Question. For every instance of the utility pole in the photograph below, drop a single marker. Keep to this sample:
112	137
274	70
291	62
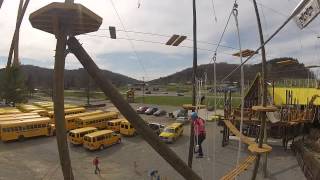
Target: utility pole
194	73
142	90
263	128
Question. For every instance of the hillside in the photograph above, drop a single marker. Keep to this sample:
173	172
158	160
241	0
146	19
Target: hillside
40	77
276	72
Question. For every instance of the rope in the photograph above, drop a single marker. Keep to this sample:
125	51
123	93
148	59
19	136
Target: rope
235	14
214	11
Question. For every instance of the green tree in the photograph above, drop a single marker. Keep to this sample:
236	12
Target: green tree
13	85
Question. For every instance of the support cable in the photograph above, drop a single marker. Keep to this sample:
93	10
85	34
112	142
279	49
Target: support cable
235	14
130	42
257	50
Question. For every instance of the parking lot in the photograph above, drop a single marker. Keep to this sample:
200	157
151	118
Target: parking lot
38	158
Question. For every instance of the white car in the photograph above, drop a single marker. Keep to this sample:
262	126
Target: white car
183	119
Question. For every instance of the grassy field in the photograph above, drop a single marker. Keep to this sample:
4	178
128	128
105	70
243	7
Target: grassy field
180	100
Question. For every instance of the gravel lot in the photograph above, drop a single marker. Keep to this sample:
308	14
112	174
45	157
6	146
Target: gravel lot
37	158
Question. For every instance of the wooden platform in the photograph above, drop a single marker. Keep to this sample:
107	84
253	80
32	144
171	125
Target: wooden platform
254	148
264	109
243	166
75	18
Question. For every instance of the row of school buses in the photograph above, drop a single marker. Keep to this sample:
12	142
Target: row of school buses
95	129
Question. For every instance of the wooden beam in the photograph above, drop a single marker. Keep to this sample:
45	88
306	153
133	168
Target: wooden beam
179	40
172	39
128	112
58	102
1	1
16	43
18	24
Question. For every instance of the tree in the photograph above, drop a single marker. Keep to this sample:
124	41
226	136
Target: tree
13	85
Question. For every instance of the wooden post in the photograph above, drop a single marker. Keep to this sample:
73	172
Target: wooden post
18	24
16	43
58	101
128	112
194	74
1	1
263	127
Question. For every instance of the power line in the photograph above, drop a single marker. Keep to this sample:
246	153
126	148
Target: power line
132	45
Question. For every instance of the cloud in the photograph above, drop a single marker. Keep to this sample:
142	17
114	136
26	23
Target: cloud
165	17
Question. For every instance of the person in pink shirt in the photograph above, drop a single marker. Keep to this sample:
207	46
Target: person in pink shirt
199	132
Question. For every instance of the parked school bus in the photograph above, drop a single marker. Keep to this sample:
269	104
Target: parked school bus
171	132
99	121
114	125
28	107
50	114
127	129
66	106
100	139
76	136
9	110
19	130
17	115
71	118
19	118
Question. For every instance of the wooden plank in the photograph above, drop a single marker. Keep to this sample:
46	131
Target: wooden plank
243	166
129	113
179	40
172	39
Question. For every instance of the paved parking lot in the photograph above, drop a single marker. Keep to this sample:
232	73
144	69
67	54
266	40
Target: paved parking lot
132	159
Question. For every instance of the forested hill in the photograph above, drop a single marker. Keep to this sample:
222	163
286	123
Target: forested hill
40	77
277	71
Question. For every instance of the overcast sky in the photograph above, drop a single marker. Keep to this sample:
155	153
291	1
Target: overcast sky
165	17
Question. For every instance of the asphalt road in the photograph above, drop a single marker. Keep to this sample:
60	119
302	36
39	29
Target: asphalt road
132	159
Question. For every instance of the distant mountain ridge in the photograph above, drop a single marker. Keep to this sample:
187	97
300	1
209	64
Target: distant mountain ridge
275	69
42	77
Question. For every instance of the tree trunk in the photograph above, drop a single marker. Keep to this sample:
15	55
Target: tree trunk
58	100
194	74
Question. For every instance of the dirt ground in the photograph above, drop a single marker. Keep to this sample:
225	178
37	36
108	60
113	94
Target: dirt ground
38	158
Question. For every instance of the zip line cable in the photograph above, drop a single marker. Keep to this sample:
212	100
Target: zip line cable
214	11
256	51
130	42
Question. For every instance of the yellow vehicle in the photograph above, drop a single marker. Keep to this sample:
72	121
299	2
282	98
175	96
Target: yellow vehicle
76	136
66	106
19	130
9	110
100	139
18	115
28	107
19	118
127	129
171	132
50	114
114	125
71	118
99	120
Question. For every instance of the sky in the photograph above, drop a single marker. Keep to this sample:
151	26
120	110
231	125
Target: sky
158	20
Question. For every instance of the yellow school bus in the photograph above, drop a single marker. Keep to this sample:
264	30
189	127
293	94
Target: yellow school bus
114	125
19	130
19	118
99	120
66	106
171	132
18	115
100	139
9	110
71	118
50	114
28	107
127	129
76	136
43	103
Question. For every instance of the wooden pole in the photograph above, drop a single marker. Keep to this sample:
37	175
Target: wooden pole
1	1
263	127
16	43
194	74
128	112
18	24
58	101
